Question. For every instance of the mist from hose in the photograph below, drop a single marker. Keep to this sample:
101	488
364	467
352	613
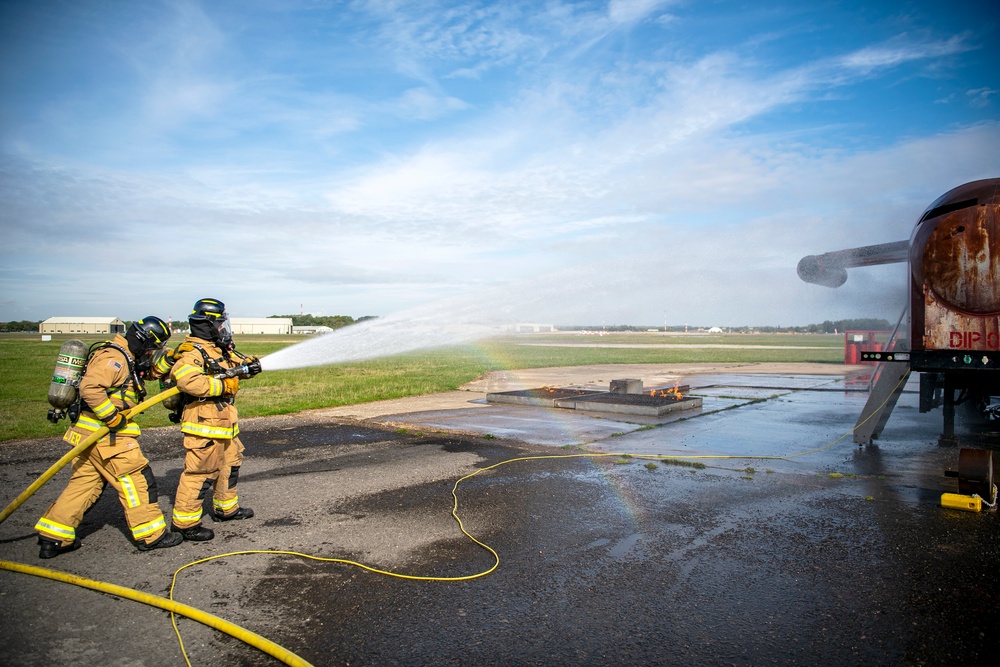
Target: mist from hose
464	319
708	280
376	338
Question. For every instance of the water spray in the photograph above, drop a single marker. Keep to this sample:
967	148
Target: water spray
468	318
372	339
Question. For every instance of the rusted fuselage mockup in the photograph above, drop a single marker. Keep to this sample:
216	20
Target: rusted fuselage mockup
950	329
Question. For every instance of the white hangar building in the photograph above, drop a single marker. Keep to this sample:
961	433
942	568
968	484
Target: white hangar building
82	325
261	325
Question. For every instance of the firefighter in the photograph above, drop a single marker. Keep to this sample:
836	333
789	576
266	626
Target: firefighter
112	381
208	419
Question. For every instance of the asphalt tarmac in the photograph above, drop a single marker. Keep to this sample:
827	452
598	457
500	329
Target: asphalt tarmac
814	552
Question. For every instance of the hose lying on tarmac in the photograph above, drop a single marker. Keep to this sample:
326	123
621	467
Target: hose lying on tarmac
251	638
255	640
79	449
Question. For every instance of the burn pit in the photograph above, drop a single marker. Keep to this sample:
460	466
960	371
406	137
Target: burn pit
625	397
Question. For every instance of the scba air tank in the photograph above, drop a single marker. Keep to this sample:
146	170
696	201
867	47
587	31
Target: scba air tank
66	379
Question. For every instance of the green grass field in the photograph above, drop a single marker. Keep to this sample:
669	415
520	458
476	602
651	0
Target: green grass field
27	364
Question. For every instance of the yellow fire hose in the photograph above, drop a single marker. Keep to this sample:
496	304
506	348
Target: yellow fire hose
247	636
265	645
79	449
255	640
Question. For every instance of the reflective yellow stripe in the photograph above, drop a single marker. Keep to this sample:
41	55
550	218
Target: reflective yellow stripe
57	530
127	395
88	424
216	388
129	491
185	369
226	505
105	409
204	431
187	517
163	365
149	528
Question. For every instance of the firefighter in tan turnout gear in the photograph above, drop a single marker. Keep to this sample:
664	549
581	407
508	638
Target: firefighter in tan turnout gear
207	369
112	382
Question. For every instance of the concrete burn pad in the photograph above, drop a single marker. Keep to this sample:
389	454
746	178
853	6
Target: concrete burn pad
618	401
626	386
632	404
527	423
543	397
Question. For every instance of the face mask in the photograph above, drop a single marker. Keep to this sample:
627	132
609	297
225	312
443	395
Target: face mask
145	361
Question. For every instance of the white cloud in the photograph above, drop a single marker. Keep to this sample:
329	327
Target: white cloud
630	11
627	173
422	104
901	50
980	97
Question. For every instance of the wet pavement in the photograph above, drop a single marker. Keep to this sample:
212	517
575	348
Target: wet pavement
833	555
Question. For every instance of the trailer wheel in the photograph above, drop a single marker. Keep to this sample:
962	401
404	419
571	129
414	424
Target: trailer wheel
975	473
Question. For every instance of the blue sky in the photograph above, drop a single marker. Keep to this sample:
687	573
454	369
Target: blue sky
640	162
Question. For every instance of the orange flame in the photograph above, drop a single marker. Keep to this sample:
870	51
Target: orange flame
674	393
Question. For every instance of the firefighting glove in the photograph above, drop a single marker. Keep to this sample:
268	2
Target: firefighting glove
230	386
164	360
253	365
116	422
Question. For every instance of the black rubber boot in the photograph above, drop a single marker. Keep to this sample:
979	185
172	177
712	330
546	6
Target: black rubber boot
195	533
50	548
241	513
164	541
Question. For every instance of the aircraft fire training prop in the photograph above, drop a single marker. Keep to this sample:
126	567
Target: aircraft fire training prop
949	331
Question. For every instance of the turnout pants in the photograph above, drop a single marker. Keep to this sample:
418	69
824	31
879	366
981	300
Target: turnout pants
209	463
120	463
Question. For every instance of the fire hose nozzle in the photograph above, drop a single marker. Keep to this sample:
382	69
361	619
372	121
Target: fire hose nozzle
235	371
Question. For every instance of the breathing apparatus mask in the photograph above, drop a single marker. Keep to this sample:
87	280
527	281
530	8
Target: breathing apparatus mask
226	335
146	338
210	321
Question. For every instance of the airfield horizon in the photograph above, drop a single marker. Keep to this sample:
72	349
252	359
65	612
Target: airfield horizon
27	364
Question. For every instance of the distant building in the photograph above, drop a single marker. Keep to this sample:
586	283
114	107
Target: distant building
531	327
715	330
261	325
82	325
310	330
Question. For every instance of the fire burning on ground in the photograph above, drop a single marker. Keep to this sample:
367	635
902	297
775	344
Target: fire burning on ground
668	393
654	402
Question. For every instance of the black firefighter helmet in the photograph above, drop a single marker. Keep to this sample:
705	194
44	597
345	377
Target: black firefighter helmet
145	337
210	321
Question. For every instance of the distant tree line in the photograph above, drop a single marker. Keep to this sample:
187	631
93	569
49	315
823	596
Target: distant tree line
839	326
332	321
17	327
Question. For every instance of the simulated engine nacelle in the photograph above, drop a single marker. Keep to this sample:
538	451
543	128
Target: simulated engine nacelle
953	332
830	269
954	261
955	280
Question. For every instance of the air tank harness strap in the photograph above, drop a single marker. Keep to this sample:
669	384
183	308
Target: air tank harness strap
140	389
213	367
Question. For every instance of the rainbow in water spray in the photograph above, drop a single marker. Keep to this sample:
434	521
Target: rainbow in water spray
383	337
569	295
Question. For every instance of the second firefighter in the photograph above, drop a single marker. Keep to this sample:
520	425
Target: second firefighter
209	420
